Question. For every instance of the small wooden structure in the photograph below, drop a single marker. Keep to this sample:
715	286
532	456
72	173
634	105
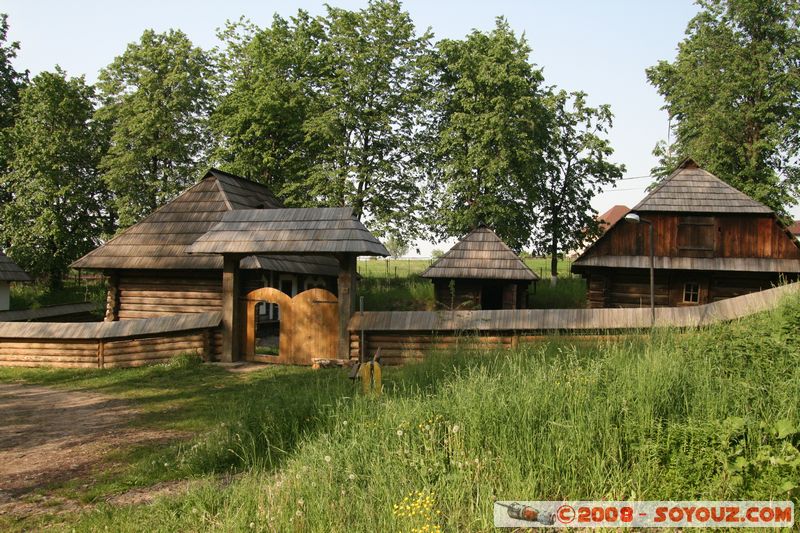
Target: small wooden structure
9	272
711	242
312	325
480	272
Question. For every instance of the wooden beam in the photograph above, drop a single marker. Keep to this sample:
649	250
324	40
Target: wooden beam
230	309
112	298
347	290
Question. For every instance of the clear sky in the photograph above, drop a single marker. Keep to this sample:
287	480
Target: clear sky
600	47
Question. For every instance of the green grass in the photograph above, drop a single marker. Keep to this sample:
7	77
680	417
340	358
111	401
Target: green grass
568	293
38	294
709	414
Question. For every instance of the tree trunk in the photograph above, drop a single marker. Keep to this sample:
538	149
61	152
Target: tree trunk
554	262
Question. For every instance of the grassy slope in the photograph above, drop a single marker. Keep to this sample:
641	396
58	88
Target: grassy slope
712	414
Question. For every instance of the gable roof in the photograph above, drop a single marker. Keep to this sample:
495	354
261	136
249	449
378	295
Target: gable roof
10	271
297	231
480	255
691	189
160	240
612	216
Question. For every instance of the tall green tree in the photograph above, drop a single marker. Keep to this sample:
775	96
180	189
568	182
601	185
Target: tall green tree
327	111
490	132
733	94
11	81
57	208
271	84
156	99
577	168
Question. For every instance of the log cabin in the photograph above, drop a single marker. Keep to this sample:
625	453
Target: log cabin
711	242
150	273
9	272
480	272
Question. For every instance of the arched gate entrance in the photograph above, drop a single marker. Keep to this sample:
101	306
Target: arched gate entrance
308	325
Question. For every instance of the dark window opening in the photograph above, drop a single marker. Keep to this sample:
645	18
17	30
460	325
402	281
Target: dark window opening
691	293
267	328
492	296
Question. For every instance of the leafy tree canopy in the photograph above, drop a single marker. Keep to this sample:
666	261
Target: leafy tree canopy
733	93
490	132
56	211
156	99
577	168
11	82
328	110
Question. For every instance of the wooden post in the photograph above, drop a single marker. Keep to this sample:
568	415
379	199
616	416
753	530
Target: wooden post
347	300
101	353
230	309
112	298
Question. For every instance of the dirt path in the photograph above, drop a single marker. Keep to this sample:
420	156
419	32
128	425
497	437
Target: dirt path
49	436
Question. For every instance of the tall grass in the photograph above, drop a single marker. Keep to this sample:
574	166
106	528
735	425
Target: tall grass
397	294
712	414
39	294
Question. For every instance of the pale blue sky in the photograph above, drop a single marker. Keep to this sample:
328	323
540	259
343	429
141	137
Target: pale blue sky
600	47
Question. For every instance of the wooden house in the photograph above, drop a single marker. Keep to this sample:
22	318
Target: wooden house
9	272
711	242
150	272
480	272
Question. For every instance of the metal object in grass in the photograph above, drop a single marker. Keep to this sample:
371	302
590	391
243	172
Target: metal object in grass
517	511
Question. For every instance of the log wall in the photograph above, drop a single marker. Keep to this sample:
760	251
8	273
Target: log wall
109	344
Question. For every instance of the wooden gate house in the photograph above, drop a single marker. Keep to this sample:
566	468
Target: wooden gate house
331	232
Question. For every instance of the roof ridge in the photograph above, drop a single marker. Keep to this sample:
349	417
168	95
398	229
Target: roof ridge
266	190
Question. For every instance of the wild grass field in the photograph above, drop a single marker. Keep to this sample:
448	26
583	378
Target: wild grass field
706	414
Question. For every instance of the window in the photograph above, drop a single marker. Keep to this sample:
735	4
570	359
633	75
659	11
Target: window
696	236
691	293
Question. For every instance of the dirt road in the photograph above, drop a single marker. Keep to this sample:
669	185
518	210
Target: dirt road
50	436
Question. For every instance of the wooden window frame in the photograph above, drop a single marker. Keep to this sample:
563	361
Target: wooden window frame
687	290
696	249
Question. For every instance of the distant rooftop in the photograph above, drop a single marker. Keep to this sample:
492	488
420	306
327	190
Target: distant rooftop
612	216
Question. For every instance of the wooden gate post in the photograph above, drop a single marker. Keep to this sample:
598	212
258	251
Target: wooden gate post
347	300
230	308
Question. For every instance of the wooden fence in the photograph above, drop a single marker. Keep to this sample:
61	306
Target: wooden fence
403	335
108	344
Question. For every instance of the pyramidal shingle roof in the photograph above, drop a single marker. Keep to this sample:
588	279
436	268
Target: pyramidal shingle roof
10	271
480	255
160	240
691	189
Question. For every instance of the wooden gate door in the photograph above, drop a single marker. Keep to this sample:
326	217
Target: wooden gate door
316	325
308	325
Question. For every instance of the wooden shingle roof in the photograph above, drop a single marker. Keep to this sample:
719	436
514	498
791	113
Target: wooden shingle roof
160	240
480	255
693	190
321	230
10	271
